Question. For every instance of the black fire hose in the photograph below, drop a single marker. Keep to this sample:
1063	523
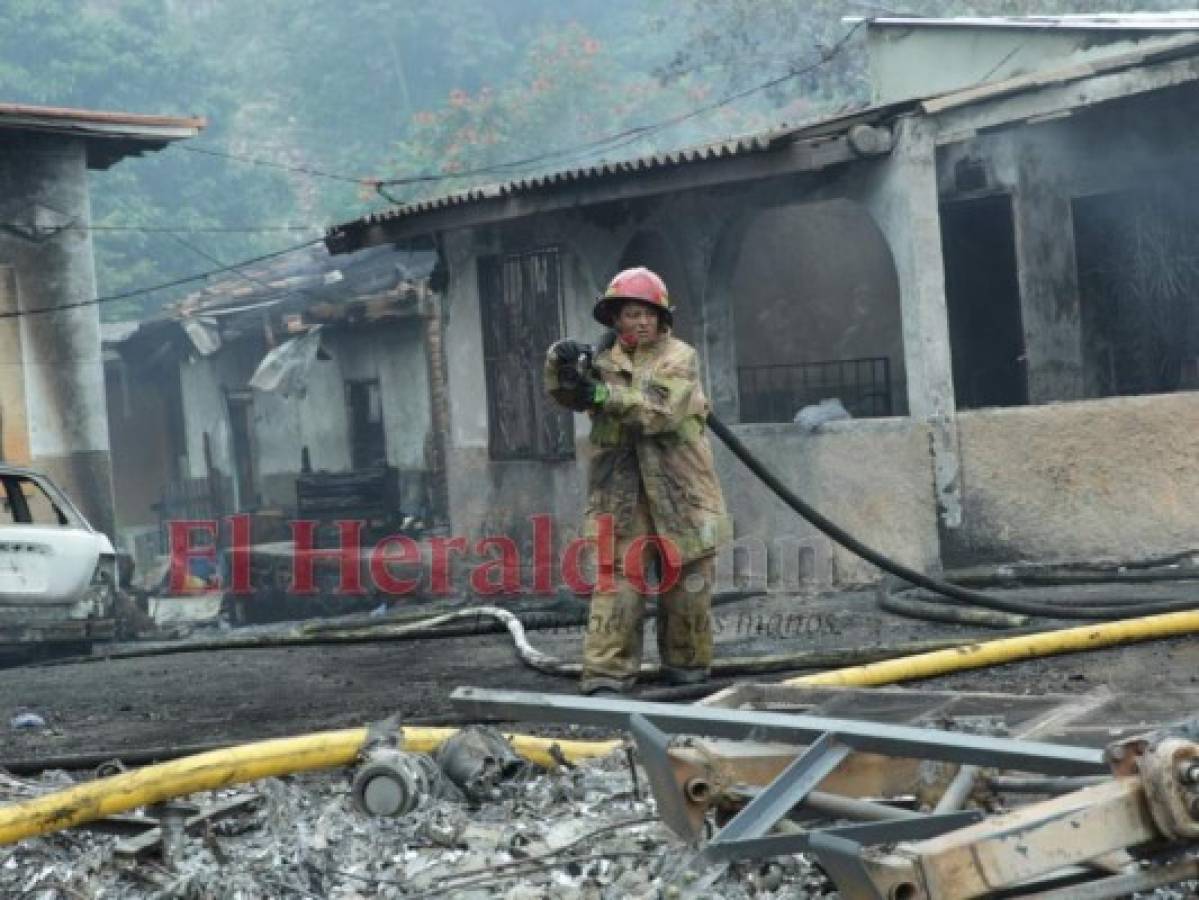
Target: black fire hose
1098	609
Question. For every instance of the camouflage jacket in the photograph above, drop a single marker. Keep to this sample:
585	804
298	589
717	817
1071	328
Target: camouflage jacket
649	433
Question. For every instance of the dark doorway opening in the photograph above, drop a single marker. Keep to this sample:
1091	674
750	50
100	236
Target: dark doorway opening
1138	276
368	439
241	431
986	332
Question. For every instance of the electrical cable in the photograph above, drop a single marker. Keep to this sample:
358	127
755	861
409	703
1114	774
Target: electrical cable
609	142
196	229
616	140
304	170
177	282
636	132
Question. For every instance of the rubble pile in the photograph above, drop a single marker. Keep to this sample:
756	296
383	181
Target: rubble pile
575	832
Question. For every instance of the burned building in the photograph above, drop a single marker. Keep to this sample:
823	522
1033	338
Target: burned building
296	384
993	275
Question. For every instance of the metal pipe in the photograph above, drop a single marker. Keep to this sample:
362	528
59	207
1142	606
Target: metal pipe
1021	784
855	808
837	806
959	789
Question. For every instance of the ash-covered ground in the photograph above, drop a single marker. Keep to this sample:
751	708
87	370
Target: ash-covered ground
570	833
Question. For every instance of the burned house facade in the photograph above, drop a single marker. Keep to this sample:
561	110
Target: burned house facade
299	387
994	280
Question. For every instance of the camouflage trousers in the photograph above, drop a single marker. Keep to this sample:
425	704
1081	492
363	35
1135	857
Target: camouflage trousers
613	645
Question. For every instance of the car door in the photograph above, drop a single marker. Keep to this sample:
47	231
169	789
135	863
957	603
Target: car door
48	554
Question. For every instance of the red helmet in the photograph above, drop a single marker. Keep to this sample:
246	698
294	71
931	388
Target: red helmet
640	285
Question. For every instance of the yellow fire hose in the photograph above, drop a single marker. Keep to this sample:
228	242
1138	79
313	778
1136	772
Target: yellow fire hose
1006	650
250	762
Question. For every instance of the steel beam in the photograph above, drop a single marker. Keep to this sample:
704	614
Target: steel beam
866	835
681	817
782	794
875	737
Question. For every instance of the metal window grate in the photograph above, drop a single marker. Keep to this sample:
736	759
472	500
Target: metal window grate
777	393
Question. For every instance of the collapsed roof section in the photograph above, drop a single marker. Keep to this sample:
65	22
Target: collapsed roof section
284	297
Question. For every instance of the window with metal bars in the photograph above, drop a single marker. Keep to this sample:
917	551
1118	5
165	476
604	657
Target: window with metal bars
776	393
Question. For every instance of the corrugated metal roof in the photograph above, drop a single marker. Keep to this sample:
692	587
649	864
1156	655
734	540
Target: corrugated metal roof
737	146
1136	21
743	145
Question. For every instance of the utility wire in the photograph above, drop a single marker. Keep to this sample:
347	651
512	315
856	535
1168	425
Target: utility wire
610	141
304	170
629	135
188	245
138	292
198	229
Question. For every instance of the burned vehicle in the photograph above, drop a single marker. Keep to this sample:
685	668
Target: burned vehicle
58	575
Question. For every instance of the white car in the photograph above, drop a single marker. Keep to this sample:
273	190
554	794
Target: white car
58	575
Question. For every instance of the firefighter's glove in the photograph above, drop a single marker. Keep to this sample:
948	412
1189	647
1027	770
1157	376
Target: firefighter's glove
567	352
590	393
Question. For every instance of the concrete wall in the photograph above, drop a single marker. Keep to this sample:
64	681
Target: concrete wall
914	62
1043	482
702	241
203	383
872	477
492	498
1113	479
60	404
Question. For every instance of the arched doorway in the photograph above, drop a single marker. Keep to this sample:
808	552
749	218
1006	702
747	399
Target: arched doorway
815	301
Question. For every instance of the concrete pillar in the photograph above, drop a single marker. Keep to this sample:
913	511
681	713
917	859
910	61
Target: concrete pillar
1048	279
901	194
45	204
718	254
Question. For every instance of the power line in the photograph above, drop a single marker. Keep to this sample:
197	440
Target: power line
199	229
304	170
612	141
628	135
138	292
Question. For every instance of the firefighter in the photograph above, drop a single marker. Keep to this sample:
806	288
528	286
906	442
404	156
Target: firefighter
652	476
